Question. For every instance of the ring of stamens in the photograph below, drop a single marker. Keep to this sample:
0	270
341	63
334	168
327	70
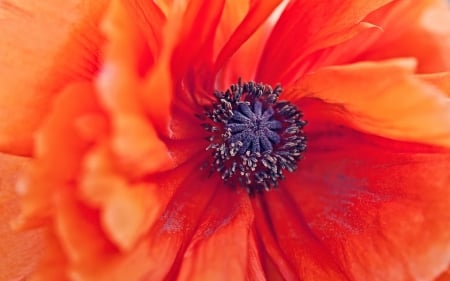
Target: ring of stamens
252	136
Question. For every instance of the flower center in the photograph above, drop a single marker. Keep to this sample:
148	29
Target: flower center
253	137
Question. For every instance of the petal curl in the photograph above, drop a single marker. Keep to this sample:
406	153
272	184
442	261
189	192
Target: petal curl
310	26
426	22
42	50
383	98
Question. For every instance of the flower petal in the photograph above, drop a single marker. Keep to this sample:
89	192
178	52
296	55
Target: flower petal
127	210
383	98
427	22
380	207
225	227
192	193
121	85
59	150
42	51
258	12
150	19
440	80
307	258
19	251
313	25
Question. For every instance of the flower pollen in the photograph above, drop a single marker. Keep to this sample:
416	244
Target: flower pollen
253	137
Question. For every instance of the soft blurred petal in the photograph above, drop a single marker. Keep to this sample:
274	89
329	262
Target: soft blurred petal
19	251
42	50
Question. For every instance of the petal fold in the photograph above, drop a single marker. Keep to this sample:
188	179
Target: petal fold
378	206
313	25
383	98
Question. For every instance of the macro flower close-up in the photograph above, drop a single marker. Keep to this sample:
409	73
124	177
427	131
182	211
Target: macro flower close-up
225	140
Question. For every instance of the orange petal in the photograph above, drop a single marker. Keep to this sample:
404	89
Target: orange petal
440	80
382	98
445	276
59	150
379	207
127	210
42	51
121	84
19	251
310	26
426	22
91	256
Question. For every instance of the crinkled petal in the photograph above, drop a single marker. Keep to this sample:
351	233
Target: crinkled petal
225	226
300	255
383	98
305	27
424	21
379	206
42	50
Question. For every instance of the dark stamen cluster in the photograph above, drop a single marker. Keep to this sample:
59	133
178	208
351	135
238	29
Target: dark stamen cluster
253	137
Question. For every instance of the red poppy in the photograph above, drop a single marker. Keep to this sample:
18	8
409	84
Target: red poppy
110	121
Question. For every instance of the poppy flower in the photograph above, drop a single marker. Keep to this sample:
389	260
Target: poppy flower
154	155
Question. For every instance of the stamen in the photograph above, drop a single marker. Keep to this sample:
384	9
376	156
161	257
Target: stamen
253	137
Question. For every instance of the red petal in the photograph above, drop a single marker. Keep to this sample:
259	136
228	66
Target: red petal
424	21
219	248
380	207
150	20
192	193
42	51
310	26
258	12
305	256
